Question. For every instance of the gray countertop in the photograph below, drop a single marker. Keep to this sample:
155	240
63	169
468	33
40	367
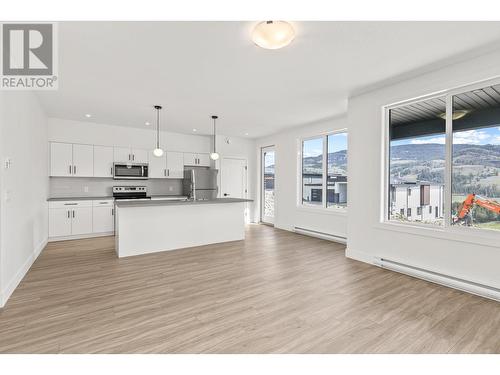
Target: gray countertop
78	198
145	203
55	199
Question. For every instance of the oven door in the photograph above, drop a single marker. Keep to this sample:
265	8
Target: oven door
130	171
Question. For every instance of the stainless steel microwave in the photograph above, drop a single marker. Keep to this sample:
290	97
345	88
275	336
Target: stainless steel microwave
130	171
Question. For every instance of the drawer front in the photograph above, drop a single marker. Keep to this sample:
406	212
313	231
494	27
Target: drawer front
70	204
103	203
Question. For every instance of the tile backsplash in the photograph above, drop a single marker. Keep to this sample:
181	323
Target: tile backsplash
62	187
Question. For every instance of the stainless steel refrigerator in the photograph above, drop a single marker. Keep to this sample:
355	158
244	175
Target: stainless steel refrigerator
200	183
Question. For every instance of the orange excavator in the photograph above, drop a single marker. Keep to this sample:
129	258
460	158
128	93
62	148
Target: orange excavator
464	216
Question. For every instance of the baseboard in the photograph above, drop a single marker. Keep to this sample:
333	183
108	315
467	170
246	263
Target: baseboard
334	237
14	282
81	236
359	256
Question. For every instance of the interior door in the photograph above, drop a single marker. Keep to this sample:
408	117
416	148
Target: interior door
267	185
233	178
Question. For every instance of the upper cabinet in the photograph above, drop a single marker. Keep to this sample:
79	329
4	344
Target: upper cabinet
130	155
78	160
197	160
157	166
71	160
103	161
175	164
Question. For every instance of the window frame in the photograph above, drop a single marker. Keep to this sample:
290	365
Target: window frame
324	184
488	237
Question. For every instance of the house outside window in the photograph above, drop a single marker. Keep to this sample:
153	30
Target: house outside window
324	171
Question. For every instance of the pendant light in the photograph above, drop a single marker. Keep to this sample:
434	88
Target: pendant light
158	152
214	155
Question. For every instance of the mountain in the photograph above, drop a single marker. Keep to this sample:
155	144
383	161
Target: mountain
337	159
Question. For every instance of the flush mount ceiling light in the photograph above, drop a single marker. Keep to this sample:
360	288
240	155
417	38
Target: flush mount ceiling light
214	155
273	34
458	114
147	123
158	152
88	115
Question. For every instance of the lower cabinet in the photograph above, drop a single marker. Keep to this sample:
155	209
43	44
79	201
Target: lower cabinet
74	218
103	217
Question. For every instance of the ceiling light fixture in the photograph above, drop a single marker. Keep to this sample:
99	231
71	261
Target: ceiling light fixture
214	155
195	130
458	114
147	123
158	152
273	34
88	115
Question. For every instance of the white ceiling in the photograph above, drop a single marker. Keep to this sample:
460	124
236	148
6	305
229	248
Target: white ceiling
117	71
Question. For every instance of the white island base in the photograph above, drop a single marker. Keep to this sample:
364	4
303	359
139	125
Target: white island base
150	227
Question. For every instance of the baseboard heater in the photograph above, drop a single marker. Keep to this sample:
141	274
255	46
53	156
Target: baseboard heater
438	278
323	236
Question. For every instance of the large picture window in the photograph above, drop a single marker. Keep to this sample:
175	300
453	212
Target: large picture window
429	184
324	171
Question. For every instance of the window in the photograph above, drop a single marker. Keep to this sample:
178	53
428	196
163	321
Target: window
324	171
418	159
337	170
312	171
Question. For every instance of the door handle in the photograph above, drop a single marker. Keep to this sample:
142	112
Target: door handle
68	214
133	157
111	171
74	169
128	156
168	172
165	172
73	213
112	211
70	169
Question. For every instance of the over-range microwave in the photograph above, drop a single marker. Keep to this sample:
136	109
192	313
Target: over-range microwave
130	171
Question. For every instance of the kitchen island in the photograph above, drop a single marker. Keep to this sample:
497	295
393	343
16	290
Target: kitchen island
149	226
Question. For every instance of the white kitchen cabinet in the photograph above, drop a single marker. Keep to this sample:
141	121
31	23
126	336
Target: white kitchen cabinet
204	160
157	166
103	161
130	155
81	222
196	160
103	219
71	160
59	222
61	159
122	154
83	160
175	164
139	155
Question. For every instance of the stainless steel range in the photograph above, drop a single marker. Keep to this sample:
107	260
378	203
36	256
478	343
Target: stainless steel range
130	193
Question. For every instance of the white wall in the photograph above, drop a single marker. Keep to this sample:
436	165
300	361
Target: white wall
367	238
24	186
287	213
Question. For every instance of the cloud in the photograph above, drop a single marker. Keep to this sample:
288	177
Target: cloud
472	137
439	140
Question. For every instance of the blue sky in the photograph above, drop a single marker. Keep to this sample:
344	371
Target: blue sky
473	137
314	147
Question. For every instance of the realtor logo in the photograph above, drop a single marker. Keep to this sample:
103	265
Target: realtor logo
29	59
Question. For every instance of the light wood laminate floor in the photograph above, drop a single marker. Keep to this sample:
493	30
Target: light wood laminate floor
275	292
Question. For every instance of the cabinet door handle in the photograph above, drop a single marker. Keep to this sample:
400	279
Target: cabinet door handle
165	172
70	204
133	157
168	172
74	169
70	169
73	213
112	212
68	214
111	171
128	156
